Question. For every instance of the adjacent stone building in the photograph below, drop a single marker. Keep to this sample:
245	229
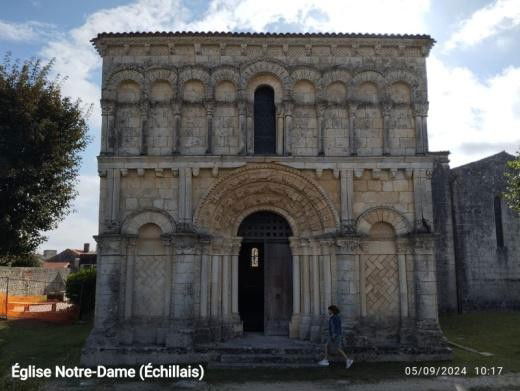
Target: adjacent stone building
248	181
478	253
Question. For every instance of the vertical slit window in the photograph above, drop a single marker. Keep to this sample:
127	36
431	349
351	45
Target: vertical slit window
499	230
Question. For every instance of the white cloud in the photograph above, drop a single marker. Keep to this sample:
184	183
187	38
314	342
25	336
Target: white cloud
24	32
473	118
486	22
402	16
78	227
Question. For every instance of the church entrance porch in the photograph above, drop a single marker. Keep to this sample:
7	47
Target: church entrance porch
265	274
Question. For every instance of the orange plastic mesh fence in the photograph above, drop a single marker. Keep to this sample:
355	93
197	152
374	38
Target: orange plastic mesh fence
37	307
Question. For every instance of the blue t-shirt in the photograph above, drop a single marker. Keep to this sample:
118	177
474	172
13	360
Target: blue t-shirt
334	326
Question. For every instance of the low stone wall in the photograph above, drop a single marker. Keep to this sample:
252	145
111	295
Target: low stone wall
29	281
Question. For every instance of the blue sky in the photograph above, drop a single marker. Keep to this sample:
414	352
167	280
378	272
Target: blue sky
473	70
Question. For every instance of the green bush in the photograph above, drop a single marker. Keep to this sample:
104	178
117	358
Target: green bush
81	289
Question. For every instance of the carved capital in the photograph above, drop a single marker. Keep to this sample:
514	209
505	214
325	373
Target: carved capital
421	109
107	107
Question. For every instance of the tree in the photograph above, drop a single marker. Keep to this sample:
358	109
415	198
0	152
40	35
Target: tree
512	193
26	260
41	136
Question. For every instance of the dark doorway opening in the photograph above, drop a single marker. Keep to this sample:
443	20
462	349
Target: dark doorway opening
265	274
265	121
251	286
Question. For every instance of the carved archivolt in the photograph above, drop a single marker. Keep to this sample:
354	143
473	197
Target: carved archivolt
266	67
160	74
271	187
309	74
137	219
417	87
116	78
361	78
382	215
195	73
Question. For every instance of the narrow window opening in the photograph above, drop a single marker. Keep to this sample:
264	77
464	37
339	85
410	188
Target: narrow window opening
254	257
499	230
265	121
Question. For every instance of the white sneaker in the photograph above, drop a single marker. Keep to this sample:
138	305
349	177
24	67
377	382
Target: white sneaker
324	363
349	363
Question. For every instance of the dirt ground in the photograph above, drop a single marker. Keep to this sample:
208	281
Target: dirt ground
509	382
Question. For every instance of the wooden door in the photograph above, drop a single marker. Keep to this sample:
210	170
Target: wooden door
278	288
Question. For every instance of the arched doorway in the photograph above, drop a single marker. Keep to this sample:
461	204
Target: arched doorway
265	121
265	274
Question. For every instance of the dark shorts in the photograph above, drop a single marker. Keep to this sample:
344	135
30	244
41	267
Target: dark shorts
334	342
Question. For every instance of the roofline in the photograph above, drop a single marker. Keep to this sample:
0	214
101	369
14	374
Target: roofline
429	41
485	158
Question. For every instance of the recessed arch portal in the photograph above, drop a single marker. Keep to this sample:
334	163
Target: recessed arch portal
265	273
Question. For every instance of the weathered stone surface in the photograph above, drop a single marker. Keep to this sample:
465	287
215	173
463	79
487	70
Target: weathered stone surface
179	173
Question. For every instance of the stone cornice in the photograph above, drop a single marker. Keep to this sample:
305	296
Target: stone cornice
355	41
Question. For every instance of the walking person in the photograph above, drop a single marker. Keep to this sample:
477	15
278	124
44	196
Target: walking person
334	338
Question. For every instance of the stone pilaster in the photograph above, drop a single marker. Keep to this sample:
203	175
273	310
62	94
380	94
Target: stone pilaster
346	197
320	110
176	132
185	199
288	106
387	110
242	124
421	132
352	107
144	109
108	108
210	106
279	129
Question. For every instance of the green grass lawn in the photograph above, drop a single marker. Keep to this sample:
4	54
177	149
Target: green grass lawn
46	345
40	344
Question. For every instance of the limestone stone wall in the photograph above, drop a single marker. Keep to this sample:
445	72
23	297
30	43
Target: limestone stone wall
334	96
350	173
488	272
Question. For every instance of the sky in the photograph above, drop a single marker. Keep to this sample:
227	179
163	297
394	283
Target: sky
473	70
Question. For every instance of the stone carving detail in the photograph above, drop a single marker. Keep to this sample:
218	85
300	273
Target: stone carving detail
149	283
266	186
381	285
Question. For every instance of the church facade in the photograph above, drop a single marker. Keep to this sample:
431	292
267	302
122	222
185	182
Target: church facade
249	181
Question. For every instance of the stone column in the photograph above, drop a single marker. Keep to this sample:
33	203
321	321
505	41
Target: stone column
131	245
145	112
205	274
305	318
242	123
320	110
428	331
294	325
347	197
348	280
250	132
109	306
168	292
316	302
107	126
279	129
352	128
418	192
288	106
210	105
387	110
405	250
421	136
176	136
185	194
112	199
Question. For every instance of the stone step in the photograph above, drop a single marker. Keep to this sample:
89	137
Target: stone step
268	358
259	350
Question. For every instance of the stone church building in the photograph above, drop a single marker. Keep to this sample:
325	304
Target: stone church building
250	180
